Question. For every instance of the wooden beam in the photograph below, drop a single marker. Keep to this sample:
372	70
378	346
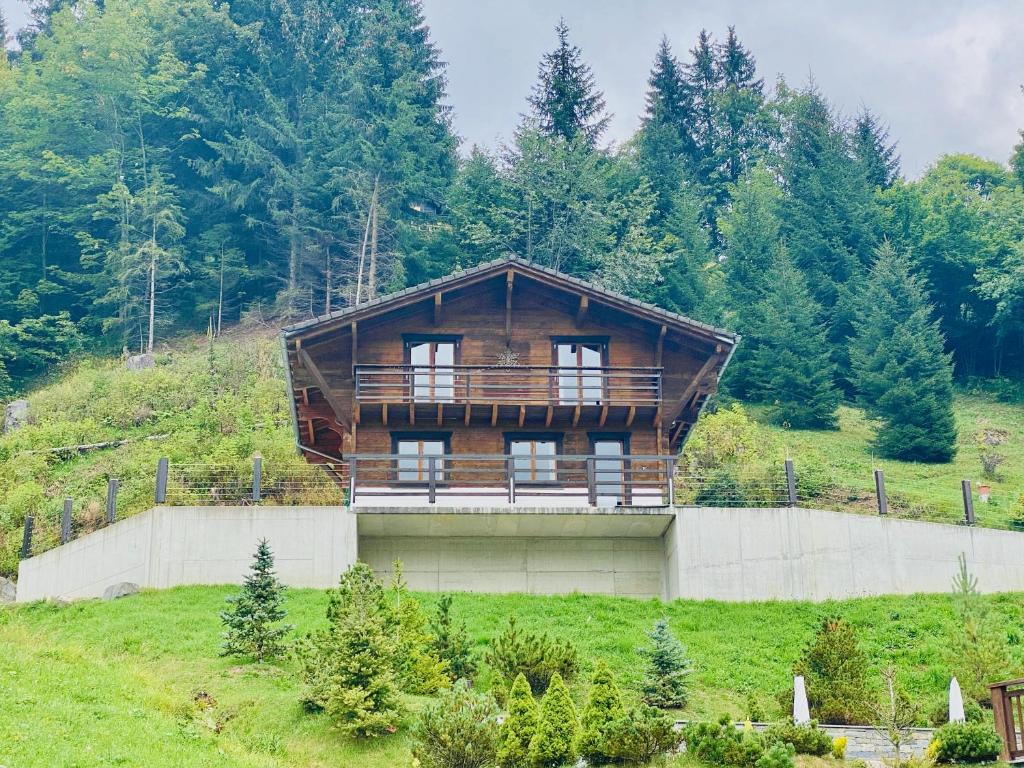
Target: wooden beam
437	308
440	413
581	312
576	416
547	417
660	346
658	417
630	415
384	413
510	276
355	346
522	414
325	388
305	395
310	432
469	411
494	414
355	412
677	432
412	413
697	380
604	416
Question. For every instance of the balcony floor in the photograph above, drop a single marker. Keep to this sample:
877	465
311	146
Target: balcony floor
505	414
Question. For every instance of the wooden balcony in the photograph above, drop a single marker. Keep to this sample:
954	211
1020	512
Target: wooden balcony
532	395
474	480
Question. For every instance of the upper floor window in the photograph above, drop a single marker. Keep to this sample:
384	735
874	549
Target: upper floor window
580	376
432	360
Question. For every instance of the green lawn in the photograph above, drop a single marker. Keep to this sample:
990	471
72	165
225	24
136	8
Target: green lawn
114	683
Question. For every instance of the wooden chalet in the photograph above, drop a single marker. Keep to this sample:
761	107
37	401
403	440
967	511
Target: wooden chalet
504	383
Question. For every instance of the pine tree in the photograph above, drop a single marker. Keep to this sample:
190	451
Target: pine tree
873	152
603	708
977	647
683	286
835	670
901	372
738	106
421	670
666	678
704	80
253	621
450	641
565	99
519	727
350	668
790	367
553	744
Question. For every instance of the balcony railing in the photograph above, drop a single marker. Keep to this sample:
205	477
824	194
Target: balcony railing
594	480
521	385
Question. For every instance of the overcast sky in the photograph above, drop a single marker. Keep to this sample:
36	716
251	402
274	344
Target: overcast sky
944	75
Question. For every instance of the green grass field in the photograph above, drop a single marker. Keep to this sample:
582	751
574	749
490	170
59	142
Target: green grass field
114	683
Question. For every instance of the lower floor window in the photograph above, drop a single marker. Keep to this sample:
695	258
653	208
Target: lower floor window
414	458
533	460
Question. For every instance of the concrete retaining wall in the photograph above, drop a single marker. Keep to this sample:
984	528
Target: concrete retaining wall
169	546
804	554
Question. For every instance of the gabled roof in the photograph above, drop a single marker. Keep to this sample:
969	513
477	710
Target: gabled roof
619	301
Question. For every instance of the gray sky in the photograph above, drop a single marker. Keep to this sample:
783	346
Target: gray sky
944	75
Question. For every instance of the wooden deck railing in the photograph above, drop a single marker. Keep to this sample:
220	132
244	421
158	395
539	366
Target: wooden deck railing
522	385
591	479
1008	710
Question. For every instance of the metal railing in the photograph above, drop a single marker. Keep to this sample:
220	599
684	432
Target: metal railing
521	385
631	480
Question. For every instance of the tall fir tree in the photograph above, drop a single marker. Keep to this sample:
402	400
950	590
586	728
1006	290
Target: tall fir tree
790	367
565	100
740	134
252	623
704	80
666	679
902	374
683	286
871	148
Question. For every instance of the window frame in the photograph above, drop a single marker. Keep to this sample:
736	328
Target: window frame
410	340
556	384
445	438
558	438
627	465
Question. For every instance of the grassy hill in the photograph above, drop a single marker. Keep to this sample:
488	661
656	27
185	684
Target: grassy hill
222	404
116	683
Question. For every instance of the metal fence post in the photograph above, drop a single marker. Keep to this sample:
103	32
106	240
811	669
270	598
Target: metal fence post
65	522
511	475
431	480
112	486
791	482
670	468
965	486
257	478
161	481
883	500
26	537
352	481
591	485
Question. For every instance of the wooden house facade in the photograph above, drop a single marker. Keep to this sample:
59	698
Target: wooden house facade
505	383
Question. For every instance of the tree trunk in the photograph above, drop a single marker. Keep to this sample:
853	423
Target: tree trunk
327	292
220	293
371	277
152	298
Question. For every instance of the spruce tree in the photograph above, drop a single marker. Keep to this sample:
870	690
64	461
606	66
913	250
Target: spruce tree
252	622
682	286
835	670
741	138
519	727
666	679
421	671
873	152
450	641
349	668
703	80
565	99
790	367
902	375
602	710
554	743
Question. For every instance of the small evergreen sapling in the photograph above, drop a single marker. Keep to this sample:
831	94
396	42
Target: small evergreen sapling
666	680
450	641
459	730
538	657
641	734
603	708
519	727
420	670
554	743
836	671
252	622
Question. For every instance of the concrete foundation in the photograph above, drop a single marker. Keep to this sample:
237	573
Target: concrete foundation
697	553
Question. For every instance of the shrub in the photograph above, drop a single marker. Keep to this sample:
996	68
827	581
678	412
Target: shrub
420	671
553	744
839	747
835	670
721	743
806	739
349	667
603	707
976	651
722	488
519	727
666	679
776	756
536	657
252	621
450	641
939	714
459	730
641	734
966	743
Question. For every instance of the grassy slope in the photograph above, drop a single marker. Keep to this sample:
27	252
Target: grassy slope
96	683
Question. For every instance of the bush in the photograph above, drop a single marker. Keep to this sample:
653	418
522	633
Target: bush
722	488
836	673
666	679
537	657
450	641
805	739
966	743
776	756
603	707
721	743
554	743
839	747
459	730
939	715
519	727
420	670
640	735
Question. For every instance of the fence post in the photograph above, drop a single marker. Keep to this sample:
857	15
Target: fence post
511	475
591	486
670	468
431	480
352	482
161	481
26	537
965	486
257	478
791	482
883	499
112	486
65	522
